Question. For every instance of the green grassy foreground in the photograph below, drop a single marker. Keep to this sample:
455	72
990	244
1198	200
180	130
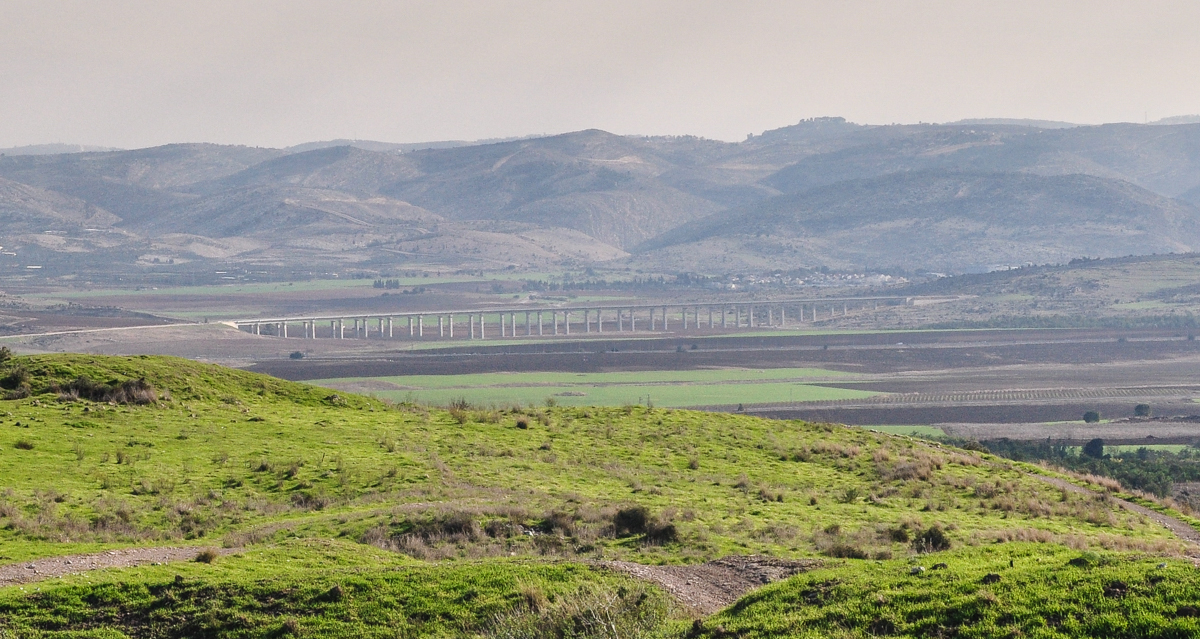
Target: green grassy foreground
1032	591
357	517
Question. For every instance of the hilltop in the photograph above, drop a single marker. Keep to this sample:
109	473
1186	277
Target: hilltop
346	514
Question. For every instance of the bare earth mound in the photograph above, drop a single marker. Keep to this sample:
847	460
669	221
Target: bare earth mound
50	567
710	587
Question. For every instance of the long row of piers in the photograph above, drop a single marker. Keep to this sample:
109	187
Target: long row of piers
540	322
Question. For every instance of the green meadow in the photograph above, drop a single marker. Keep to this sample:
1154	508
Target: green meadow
346	515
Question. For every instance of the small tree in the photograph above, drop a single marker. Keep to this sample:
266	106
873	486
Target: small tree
5	354
1142	410
296	355
1094	448
1091	417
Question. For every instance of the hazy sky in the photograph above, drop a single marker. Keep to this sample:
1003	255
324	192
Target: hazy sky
275	73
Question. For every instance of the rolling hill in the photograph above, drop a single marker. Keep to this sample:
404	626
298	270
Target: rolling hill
343	515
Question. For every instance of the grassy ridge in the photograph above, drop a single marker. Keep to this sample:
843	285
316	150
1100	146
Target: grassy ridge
487	516
248	457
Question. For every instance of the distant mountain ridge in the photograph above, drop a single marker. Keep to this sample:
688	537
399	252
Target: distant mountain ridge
952	221
54	149
822	192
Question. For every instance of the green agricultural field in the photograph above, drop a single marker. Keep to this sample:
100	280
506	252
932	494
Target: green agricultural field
915	431
657	388
351	516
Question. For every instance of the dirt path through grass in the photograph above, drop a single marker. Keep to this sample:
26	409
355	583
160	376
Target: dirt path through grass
707	588
50	567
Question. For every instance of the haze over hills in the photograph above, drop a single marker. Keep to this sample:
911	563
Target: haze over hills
824	192
949	221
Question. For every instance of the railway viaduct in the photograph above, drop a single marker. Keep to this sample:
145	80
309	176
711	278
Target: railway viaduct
501	322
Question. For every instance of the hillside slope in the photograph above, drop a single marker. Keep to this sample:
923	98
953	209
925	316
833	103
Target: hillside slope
948	221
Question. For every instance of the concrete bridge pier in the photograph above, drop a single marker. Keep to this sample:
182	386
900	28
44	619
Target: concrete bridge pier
587	321
482	330
390	327
666	324
782	317
528	324
567	322
599	321
410	326
450	324
541	331
620	321
420	326
710	317
441	326
632	321
554	320
341	329
512	322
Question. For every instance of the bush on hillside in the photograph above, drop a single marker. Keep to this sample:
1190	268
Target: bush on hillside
131	391
636	520
1091	417
931	539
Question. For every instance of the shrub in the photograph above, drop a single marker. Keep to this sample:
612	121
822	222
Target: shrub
206	556
631	521
931	539
1091	417
636	520
132	391
1142	410
1094	448
658	533
846	551
849	495
296	355
558	522
23	444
